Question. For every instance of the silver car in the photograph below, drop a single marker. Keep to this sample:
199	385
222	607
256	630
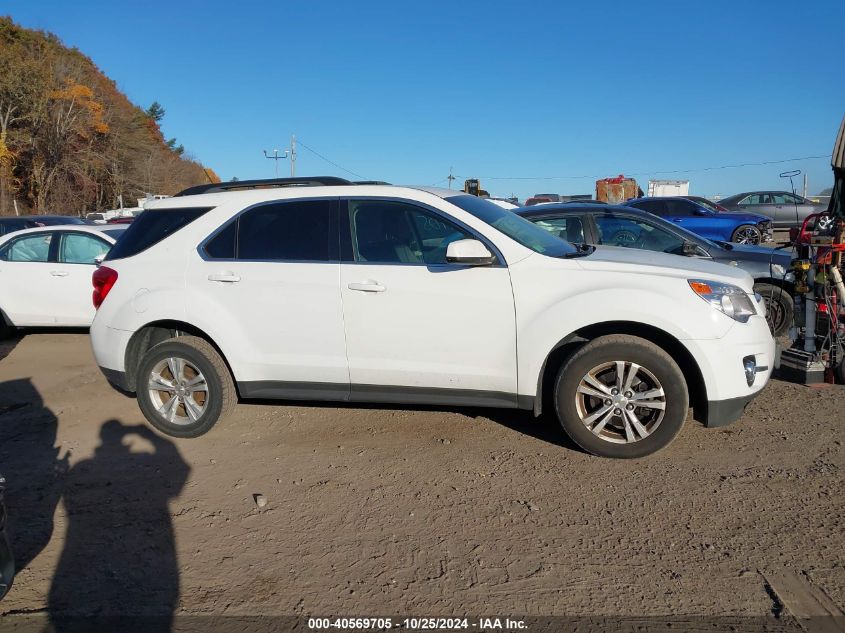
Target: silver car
785	209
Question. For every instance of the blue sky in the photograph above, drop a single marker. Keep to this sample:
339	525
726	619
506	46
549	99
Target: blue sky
402	91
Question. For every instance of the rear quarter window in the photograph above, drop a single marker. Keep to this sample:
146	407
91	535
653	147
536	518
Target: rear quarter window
151	227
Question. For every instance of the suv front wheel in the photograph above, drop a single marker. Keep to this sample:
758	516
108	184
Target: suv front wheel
184	387
621	396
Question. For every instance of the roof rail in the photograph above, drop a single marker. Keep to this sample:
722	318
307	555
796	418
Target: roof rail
217	187
370	182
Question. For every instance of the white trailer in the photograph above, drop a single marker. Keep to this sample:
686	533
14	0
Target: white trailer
663	188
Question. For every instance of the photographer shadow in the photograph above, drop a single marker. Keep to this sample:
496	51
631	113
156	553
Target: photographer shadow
119	556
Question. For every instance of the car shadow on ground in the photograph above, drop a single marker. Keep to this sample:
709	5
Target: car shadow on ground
15	336
545	428
119	553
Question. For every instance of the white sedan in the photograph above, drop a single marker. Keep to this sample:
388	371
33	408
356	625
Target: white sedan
45	274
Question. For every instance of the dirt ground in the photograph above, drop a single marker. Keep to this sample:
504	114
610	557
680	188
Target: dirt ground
387	510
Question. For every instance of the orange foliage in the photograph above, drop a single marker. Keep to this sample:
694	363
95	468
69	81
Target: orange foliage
84	96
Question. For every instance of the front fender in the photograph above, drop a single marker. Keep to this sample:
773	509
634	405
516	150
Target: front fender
544	320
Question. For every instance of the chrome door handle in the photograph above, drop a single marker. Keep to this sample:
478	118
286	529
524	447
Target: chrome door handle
228	278
59	273
367	286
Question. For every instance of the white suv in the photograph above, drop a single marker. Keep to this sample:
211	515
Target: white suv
326	290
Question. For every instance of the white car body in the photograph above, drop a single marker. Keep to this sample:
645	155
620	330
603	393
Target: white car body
505	204
55	292
472	335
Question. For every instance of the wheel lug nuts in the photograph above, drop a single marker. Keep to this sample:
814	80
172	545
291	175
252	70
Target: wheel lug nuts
630	407
615	392
617	411
628	394
608	402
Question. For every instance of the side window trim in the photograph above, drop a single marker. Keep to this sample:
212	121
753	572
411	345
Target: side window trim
333	248
347	255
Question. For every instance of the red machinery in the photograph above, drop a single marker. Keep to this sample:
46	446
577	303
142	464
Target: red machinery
818	350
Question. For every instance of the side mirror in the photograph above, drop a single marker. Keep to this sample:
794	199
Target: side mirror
469	253
99	260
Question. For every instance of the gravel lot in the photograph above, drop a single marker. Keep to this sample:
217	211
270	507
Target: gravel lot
424	511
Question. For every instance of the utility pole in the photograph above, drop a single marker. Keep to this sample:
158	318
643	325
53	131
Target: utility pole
450	177
293	155
275	157
805	185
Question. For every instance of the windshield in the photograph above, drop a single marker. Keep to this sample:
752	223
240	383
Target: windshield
515	227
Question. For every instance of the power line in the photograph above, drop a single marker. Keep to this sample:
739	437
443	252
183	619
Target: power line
331	162
654	172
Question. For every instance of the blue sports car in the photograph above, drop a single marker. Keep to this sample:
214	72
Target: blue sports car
698	216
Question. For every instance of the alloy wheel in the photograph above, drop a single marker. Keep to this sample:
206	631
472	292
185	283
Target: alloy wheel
178	390
748	235
620	402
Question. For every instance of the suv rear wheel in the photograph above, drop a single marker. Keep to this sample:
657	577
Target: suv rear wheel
184	387
621	396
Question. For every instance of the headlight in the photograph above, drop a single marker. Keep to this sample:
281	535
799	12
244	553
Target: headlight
731	300
778	271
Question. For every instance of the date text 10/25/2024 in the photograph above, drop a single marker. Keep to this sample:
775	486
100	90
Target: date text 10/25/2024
417	624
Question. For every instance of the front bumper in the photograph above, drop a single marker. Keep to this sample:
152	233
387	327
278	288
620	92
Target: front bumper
721	364
724	412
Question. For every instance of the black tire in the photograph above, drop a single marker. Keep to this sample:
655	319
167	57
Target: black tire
747	234
220	397
629	349
780	308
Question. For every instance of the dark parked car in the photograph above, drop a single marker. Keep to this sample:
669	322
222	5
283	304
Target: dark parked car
742	228
538	200
615	225
18	222
7	563
785	209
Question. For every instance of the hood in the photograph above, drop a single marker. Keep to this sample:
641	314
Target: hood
742	216
749	253
632	260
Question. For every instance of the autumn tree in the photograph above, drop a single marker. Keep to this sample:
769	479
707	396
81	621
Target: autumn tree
70	141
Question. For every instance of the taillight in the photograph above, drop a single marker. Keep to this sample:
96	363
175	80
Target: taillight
103	279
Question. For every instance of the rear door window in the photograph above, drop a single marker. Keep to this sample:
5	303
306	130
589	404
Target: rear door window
657	207
283	231
81	248
681	208
151	227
